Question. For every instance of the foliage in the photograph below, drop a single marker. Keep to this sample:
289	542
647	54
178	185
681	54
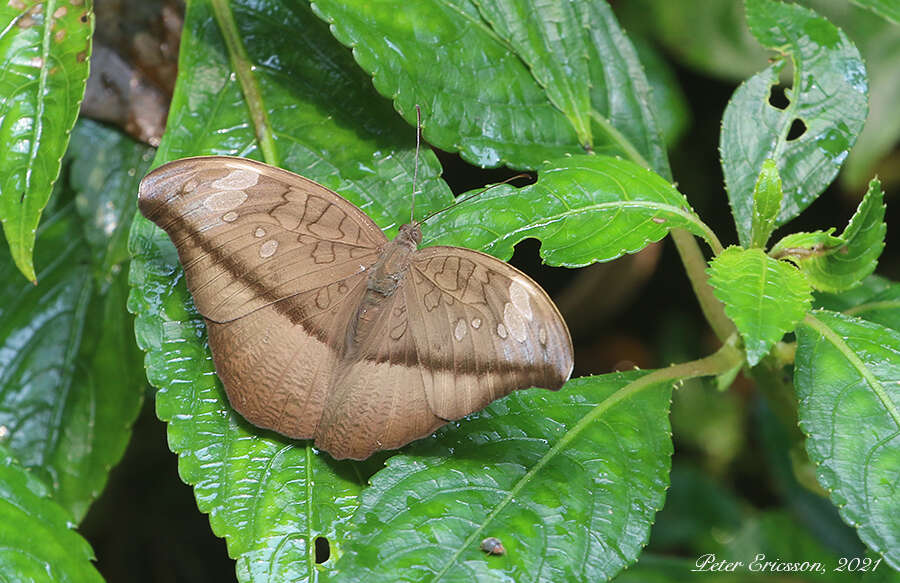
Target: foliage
570	482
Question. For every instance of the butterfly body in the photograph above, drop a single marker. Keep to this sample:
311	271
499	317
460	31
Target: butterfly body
321	328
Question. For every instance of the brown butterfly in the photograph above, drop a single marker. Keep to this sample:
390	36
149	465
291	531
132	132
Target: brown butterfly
321	328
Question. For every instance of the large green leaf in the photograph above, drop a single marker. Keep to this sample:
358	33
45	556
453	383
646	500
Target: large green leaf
70	382
506	81
44	52
829	97
846	375
584	209
763	296
37	543
568	481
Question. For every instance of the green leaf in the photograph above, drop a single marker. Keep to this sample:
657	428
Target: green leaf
800	246
882	308
708	36
846	266
526	68
44	52
777	536
829	97
888	9
36	533
571	492
767	196
670	104
70	382
106	169
584	208
846	375
764	297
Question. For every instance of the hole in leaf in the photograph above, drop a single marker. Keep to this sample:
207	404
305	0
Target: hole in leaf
323	549
798	128
777	98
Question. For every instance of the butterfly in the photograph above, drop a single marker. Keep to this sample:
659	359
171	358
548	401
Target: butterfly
321	328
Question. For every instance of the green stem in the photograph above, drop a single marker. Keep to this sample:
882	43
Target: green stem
695	267
244	70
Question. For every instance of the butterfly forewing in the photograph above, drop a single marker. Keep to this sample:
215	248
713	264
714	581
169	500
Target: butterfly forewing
482	329
249	234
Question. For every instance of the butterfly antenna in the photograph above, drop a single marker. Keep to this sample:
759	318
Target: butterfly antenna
412	211
479	193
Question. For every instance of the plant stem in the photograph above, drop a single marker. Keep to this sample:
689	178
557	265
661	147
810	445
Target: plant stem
695	267
726	358
244	71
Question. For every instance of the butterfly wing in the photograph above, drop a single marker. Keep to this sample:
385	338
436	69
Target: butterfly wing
276	264
378	398
482	330
249	234
463	329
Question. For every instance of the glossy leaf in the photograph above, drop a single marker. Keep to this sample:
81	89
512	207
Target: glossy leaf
764	297
845	376
36	537
877	300
571	492
70	385
847	265
584	208
829	99
44	53
882	308
516	64
767	196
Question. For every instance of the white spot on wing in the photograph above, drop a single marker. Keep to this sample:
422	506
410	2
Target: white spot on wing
476	323
230	217
268	248
260	232
501	331
460	331
237	179
514	322
225	200
518	295
542	335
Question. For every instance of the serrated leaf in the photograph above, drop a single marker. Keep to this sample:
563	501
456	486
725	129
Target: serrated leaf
846	375
767	196
800	246
515	63
584	208
764	297
829	97
105	171
36	533
882	308
70	384
44	52
570	492
849	264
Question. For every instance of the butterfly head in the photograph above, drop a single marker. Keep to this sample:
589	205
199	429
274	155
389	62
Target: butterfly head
410	234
